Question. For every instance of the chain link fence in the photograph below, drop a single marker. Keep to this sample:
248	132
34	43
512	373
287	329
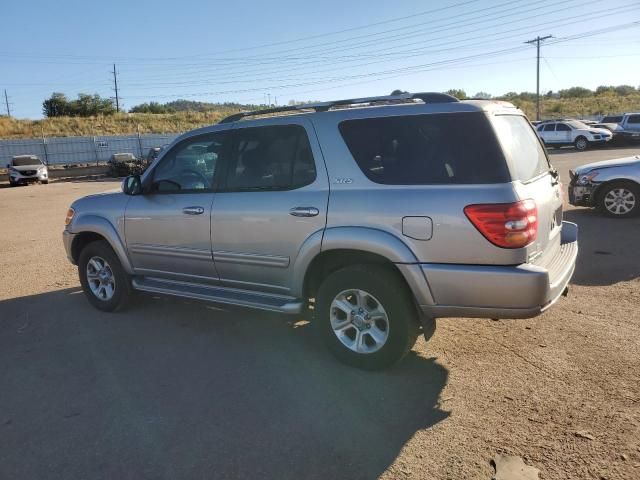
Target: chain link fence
81	150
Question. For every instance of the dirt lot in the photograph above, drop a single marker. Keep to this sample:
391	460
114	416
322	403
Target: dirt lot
173	389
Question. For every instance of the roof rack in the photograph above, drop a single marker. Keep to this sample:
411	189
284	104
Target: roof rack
427	97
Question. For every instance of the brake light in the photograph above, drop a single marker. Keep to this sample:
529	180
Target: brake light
507	225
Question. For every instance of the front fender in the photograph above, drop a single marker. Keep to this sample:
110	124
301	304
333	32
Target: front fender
104	228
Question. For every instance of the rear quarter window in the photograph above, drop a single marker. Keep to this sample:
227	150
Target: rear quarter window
451	148
521	146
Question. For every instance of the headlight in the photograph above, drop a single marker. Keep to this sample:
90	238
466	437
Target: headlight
584	179
70	213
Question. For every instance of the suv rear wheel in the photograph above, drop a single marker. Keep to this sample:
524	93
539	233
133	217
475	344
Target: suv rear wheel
104	281
366	317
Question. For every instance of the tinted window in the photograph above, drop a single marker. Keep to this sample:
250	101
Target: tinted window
550	127
426	149
270	158
612	119
190	165
561	127
634	119
521	146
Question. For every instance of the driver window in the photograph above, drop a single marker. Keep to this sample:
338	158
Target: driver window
190	166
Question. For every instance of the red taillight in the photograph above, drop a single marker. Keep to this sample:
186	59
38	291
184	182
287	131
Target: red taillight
507	225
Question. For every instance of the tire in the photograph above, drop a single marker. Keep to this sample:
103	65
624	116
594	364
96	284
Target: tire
581	143
115	295
379	290
44	182
620	199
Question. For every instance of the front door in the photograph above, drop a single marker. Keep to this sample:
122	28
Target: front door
563	133
273	197
168	228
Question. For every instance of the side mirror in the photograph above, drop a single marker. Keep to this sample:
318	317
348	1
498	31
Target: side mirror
132	185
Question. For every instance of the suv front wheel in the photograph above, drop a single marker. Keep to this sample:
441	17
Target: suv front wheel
104	281
366	317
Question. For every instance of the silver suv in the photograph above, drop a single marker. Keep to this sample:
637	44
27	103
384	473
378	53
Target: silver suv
374	216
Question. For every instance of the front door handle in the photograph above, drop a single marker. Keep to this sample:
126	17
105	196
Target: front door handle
193	210
304	212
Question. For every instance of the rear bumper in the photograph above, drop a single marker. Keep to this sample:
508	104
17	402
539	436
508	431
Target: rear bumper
521	291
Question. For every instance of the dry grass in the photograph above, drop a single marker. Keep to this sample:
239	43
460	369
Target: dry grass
122	124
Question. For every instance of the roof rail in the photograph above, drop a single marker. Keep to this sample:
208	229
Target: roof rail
427	97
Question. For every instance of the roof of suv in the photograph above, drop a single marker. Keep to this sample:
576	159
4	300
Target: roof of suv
427	98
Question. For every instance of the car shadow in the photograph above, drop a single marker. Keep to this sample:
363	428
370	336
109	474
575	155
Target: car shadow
608	250
173	389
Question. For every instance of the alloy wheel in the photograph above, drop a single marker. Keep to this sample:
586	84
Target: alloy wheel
100	278
359	321
619	201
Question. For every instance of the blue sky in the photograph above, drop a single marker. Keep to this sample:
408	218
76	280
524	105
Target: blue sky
245	51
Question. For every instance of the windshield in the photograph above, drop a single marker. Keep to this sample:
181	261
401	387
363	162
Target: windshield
577	124
24	161
521	146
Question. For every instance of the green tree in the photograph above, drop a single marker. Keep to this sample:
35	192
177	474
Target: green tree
458	93
625	90
575	92
56	106
483	95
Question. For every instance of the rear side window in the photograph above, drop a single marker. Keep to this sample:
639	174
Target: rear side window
458	148
277	157
550	127
521	146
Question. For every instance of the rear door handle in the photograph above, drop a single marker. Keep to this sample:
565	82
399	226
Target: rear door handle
193	210
304	212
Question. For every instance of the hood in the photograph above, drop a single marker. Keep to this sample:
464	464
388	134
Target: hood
600	131
616	162
611	126
24	168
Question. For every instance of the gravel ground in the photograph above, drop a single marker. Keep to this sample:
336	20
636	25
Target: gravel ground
175	389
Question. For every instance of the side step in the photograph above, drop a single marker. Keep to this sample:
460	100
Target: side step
217	294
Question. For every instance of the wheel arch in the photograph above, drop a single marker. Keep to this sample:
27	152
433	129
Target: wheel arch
90	228
603	186
343	246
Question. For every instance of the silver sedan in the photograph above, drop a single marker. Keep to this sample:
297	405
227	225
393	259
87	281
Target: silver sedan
613	186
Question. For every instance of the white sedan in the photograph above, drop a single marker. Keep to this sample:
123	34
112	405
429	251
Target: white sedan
572	132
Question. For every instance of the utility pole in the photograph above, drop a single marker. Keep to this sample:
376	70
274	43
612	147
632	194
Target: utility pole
537	41
6	102
115	83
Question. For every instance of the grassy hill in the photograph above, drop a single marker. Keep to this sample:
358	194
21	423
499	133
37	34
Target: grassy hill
179	121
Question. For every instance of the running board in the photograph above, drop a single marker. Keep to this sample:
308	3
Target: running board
217	294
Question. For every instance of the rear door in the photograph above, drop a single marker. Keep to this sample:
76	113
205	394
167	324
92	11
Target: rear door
548	133
273	197
533	178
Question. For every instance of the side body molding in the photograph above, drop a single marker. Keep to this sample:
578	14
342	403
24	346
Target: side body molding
368	240
103	227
